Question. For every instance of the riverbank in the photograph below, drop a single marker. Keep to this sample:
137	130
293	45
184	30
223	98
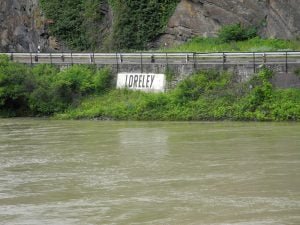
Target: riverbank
207	95
85	92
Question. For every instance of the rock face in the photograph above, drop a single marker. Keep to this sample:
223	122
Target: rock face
22	26
275	18
283	19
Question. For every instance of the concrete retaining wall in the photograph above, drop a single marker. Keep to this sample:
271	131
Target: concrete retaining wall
284	77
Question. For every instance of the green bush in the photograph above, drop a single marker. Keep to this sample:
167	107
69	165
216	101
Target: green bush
102	80
56	91
236	32
42	99
16	83
44	90
205	83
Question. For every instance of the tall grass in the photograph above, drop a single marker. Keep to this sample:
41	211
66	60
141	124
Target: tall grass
256	44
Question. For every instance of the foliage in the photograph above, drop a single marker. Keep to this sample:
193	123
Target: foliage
199	44
75	21
44	90
16	83
206	95
85	92
138	22
204	83
236	32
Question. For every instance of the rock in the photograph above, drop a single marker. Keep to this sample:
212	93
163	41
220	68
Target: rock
283	19
22	26
275	18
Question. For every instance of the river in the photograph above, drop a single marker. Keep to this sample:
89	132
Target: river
177	173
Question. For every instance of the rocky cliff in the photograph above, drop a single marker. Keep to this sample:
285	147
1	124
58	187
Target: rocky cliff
23	26
274	18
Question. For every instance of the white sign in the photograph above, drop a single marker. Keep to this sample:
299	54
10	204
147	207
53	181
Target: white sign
148	82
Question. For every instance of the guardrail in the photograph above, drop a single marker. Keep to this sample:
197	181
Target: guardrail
246	58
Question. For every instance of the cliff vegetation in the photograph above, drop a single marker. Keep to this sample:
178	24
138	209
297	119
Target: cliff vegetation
135	23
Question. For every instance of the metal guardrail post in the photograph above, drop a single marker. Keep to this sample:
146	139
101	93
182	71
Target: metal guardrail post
254	63
94	57
264	58
30	58
91	58
187	58
11	56
51	62
152	59
117	62
167	60
141	62
286	62
195	60
72	58
223	60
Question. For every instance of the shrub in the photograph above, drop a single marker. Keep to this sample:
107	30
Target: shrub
102	80
44	90
43	99
16	83
205	83
236	32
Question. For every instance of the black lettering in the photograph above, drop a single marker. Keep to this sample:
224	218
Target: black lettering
136	79
143	81
148	81
130	81
126	85
152	80
140	81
